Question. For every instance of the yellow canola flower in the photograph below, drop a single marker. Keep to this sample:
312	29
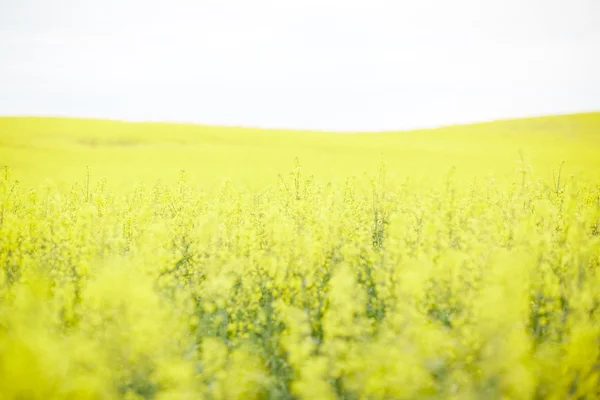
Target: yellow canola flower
379	286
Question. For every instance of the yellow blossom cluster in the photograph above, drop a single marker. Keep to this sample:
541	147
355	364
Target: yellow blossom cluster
376	289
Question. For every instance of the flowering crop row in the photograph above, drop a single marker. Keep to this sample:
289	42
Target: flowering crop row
372	290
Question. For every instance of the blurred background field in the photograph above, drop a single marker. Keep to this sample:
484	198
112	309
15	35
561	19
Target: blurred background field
60	149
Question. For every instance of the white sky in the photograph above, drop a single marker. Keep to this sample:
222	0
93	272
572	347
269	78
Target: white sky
320	64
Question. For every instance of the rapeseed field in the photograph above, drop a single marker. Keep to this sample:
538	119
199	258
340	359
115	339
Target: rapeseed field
164	261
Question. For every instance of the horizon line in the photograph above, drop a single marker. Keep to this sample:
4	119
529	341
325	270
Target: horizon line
308	130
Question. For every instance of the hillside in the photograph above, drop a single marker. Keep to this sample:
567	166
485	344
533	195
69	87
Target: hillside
60	149
466	266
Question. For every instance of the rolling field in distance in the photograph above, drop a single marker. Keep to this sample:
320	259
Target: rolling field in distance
60	149
171	261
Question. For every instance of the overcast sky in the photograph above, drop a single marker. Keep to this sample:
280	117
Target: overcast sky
320	64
